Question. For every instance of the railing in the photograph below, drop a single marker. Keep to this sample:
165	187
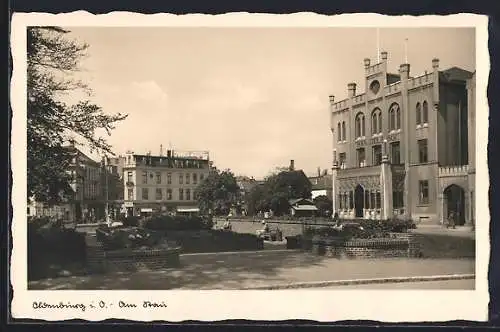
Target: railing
459	170
419	80
340	105
374	69
393	88
359	99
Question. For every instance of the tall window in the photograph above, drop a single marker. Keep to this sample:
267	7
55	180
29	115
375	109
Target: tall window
169	194
344	135
195	178
422	151
361	157
418	114
377	154
159	194
169	178
394	117
425	112
181	178
188	195
181	194
395	153
144	177
130	194
145	194
397	199
202	176
158	177
376	121
188	178
339	132
342	159
129	176
360	125
423	187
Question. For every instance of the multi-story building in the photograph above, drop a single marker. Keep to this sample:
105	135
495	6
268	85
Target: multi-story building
87	202
163	183
405	147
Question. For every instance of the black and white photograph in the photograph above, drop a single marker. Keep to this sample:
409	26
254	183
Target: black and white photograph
279	161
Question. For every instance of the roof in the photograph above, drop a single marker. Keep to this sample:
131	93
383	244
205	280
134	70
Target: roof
188	209
305	208
294	201
454	74
393	78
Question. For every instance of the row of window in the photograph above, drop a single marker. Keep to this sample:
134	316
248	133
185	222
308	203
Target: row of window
157	176
422	117
395	154
161	194
372	199
166	162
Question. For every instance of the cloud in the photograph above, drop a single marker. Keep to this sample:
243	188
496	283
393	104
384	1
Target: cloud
149	91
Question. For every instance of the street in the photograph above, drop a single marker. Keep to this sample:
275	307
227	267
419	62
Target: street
466	284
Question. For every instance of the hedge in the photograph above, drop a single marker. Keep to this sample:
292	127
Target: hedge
50	245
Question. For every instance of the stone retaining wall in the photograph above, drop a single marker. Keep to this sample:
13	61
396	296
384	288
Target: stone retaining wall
396	245
99	260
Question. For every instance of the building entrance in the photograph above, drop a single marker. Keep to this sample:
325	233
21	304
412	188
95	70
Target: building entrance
454	201
359	203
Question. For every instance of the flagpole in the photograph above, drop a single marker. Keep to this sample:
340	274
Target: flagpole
378	45
406	50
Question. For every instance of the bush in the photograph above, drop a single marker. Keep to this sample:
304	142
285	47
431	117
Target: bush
50	245
131	221
124	237
177	223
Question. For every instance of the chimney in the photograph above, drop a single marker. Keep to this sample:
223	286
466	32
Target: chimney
435	64
332	99
292	165
319	171
161	150
383	56
404	71
351	89
367	63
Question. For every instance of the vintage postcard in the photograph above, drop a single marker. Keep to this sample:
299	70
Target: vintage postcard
249	166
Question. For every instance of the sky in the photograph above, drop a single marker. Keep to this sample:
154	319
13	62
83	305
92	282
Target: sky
255	98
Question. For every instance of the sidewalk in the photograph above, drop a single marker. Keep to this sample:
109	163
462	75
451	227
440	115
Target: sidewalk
258	269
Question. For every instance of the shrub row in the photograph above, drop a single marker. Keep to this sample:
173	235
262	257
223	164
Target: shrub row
168	222
50	245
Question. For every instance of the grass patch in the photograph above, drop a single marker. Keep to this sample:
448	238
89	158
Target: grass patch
446	246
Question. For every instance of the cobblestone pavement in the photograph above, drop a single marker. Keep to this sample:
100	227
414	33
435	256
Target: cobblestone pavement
242	270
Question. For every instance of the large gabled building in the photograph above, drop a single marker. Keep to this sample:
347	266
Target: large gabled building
406	146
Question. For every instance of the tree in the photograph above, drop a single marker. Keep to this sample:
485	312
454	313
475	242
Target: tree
53	59
218	192
277	190
324	205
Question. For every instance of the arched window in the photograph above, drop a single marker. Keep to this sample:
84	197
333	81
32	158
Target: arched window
360	125
394	117
339	132
425	112
344	135
418	115
376	121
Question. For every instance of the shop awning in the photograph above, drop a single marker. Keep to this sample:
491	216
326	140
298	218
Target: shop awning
305	208
188	209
